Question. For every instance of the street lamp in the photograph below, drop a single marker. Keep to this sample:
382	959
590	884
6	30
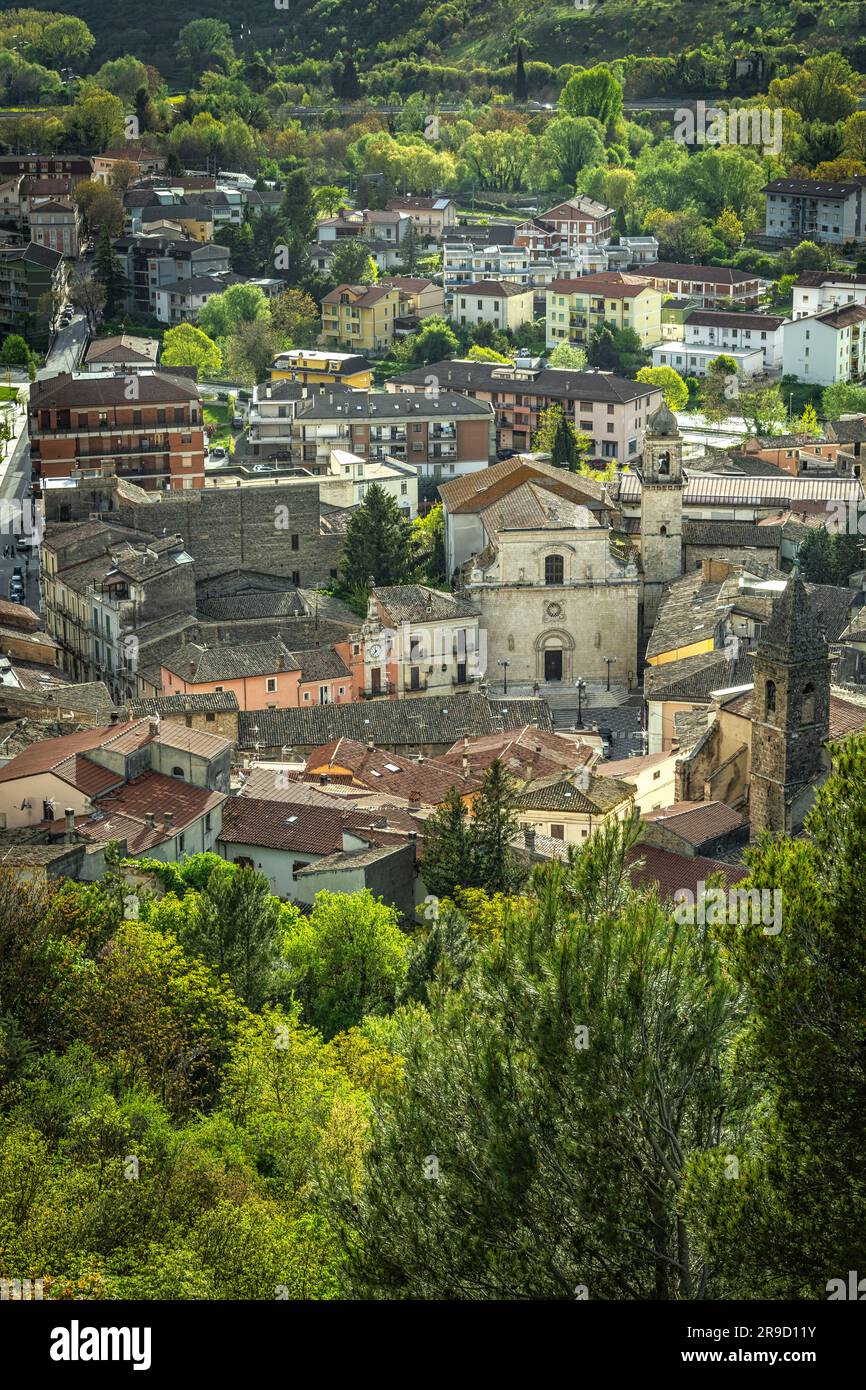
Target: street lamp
505	663
608	661
580	686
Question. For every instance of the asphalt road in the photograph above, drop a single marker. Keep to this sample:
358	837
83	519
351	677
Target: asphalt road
15	489
66	349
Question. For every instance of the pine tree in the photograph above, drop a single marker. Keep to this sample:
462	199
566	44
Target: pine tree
409	251
493	828
350	87
108	271
564	452
378	543
521	88
449	854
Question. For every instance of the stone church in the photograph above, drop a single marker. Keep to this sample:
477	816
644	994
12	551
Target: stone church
561	589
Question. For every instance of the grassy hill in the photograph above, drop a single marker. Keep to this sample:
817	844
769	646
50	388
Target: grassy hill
475	31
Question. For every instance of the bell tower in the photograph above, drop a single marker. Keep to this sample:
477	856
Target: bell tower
661	509
790	713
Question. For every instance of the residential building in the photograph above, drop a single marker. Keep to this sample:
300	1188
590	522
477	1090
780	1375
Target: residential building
151	262
150	432
692	359
422	782
712	286
430	216
419	298
441	434
213	713
464	263
499	302
362	317
827	347
55	222
183	300
736	332
47	166
121	352
100	584
416	640
370	224
195	220
576	307
815	290
156	787
313	368
146	161
573	806
262	675
349	478
30	276
816	210
613	412
578	222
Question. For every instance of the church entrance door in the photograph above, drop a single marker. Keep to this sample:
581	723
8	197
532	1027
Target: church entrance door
553	665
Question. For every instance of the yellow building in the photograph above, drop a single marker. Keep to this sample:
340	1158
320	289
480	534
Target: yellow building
576	306
312	367
361	316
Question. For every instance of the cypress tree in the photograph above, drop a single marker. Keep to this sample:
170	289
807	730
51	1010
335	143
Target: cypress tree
521	88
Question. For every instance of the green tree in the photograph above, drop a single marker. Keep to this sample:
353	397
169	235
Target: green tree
826	88
567	355
428	535
205	44
225	313
796	1216
616	350
345	960
433	341
15	352
594	92
576	1034
494	824
352	264
449	847
235	930
295	317
65	41
571	143
521	88
378	543
673	387
843	398
187	346
108	270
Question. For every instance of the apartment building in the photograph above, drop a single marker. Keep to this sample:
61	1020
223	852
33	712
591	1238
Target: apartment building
54	222
416	640
499	302
146	161
430	216
100	583
370	224
123	352
576	307
195	220
827	347
464	263
420	298
816	210
349	478
316	368
612	411
713	286
29	275
183	300
361	316
147	429
440	435
694	359
152	262
564	229
263	675
815	290
733	332
47	166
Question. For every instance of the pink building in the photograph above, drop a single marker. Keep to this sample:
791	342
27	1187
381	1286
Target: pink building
263	675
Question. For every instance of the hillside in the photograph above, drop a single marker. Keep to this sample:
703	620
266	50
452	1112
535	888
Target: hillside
480	31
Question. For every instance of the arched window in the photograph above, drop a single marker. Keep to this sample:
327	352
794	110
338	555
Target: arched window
554	569
664	464
808	711
178	772
771	697
663	530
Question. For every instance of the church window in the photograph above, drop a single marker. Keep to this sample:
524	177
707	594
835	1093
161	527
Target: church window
771	697
554	569
664	464
808	716
663	530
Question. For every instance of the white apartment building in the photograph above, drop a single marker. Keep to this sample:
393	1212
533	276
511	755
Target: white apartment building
828	347
689	359
816	290
727	332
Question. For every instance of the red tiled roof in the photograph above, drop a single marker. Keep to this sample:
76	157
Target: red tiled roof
48	752
428	781
122	814
86	775
669	872
697	821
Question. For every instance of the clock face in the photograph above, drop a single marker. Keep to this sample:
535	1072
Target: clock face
375	651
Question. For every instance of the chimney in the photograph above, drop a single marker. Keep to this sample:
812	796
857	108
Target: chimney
169	819
153	727
371	747
114	716
69	832
465	761
529	837
714	571
323	779
150	818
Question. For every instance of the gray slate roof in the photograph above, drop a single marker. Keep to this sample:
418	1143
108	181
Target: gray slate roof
390	723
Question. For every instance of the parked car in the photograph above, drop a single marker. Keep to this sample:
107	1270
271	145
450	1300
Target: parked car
264	468
218	453
25	542
237	421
